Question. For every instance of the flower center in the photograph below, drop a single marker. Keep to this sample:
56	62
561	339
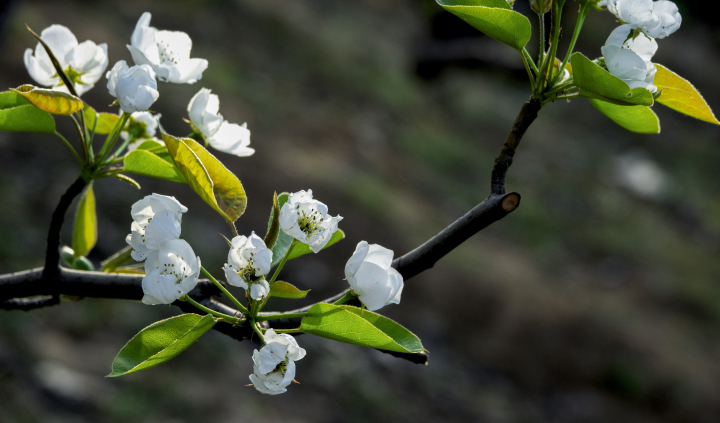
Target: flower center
309	222
166	54
72	75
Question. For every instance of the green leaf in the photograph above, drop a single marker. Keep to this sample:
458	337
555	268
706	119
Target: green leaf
680	95
116	260
360	327
51	101
82	263
596	82
160	342
105	121
207	176
18	115
283	240
302	249
285	290
273	224
150	145
494	18
85	232
145	163
640	119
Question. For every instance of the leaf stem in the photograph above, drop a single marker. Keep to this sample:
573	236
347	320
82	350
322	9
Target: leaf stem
225	291
287	330
279	316
72	150
225	317
282	263
112	137
257	330
578	26
527	68
83	144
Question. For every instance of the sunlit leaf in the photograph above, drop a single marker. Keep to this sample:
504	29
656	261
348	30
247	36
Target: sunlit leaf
51	101
596	82
85	232
495	18
105	121
360	327
273	224
680	95
160	342
640	119
207	176
19	115
285	290
116	260
145	163
301	249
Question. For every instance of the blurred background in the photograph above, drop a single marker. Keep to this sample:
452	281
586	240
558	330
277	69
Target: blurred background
597	300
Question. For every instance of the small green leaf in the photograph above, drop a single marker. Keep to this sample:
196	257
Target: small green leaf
360	327
105	121
285	290
273	224
160	342
82	263
301	249
283	240
150	145
640	119
596	82
18	115
51	101
145	163
207	176
116	260
495	18
85	232
680	95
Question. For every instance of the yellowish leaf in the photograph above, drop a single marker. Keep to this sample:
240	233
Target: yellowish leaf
51	101
85	232
680	95
105	121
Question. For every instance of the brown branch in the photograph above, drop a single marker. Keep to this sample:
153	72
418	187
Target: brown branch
525	118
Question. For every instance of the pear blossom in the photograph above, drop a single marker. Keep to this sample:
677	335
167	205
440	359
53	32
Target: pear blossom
135	87
156	219
248	261
227	137
171	272
307	220
630	58
657	19
84	63
274	364
372	277
168	52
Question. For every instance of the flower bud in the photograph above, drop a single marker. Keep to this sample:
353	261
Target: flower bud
541	6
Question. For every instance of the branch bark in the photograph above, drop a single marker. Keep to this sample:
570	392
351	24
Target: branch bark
528	114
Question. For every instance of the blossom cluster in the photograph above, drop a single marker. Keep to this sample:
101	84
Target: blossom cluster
157	55
629	50
171	267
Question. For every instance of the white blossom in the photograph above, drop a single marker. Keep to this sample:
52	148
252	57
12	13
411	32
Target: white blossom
156	219
135	87
84	63
248	260
168	52
657	19
307	220
630	59
372	277
274	364
227	137
171	272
